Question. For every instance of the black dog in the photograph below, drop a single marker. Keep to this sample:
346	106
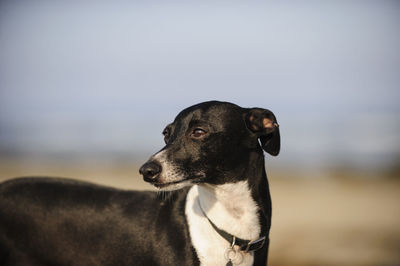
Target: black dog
221	214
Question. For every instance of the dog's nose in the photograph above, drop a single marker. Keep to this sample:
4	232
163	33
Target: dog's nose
150	171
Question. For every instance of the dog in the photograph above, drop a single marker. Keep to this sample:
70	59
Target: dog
218	211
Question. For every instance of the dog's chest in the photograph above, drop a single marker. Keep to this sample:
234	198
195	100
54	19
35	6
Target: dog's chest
231	208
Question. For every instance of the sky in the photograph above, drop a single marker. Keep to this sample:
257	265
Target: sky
105	77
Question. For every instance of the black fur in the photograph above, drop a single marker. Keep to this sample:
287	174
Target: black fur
48	221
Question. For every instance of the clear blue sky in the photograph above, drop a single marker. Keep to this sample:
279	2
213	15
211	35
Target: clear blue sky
106	76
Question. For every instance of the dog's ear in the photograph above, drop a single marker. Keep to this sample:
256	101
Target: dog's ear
263	124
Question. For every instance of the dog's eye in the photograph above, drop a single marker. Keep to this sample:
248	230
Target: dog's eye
198	133
166	135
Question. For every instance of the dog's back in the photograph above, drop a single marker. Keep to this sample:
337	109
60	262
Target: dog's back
47	221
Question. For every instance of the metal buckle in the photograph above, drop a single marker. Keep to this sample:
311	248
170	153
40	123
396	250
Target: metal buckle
261	239
233	241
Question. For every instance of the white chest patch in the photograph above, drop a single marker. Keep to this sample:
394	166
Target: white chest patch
231	208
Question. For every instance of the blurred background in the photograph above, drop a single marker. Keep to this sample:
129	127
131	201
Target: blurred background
86	87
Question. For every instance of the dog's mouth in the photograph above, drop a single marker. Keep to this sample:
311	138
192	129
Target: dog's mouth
174	185
163	185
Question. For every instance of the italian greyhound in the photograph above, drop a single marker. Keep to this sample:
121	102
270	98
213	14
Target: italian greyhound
217	212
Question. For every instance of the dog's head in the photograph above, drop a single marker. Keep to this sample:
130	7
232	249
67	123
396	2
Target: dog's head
211	143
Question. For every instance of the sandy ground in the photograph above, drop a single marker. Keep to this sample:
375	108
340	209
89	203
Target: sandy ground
316	220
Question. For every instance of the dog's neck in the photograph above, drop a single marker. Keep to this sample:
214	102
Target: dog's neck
244	207
240	208
231	208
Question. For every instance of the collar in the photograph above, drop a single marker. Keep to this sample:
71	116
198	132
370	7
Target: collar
244	245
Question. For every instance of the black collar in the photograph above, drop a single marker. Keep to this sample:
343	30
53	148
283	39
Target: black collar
244	245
